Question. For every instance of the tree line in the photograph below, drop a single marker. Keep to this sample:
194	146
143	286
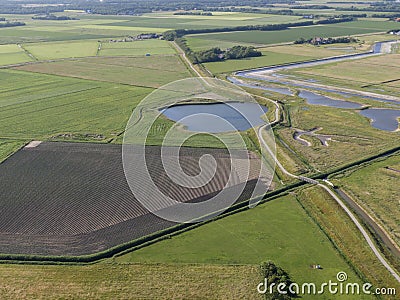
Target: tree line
193	13
326	41
171	35
128	7
216	54
53	18
5	23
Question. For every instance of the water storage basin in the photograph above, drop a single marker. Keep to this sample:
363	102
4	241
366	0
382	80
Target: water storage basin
214	117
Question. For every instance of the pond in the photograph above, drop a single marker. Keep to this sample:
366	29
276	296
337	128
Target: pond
217	117
384	119
316	99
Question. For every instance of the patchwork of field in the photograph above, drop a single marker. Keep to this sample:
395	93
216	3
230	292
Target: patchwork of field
376	74
88	94
43	51
106	280
75	199
38	106
99	27
168	20
376	188
153	71
136	48
278	230
290	35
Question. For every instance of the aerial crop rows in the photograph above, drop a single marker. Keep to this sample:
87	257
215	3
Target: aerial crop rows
73	198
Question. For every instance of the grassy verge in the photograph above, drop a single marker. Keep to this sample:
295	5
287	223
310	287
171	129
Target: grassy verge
375	187
8	147
343	233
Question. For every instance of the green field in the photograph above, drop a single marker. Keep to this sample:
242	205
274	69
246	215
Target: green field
88	93
290	35
268	59
36	106
375	74
12	54
353	138
136	48
375	187
275	55
168	20
279	231
43	51
101	27
7	147
127	281
199	44
342	231
153	71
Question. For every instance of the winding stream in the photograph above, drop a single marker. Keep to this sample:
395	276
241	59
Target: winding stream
383	119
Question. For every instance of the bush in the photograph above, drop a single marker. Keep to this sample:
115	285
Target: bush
276	275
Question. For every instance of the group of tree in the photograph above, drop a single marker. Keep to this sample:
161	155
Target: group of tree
128	7
171	35
383	6
216	54
193	13
276	282
326	41
391	16
5	23
52	17
335	20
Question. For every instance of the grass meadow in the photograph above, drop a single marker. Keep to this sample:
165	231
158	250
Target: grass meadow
375	188
13	54
378	74
56	50
141	281
37	106
153	71
333	220
353	138
101	27
292	34
82	98
9	146
136	48
279	230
